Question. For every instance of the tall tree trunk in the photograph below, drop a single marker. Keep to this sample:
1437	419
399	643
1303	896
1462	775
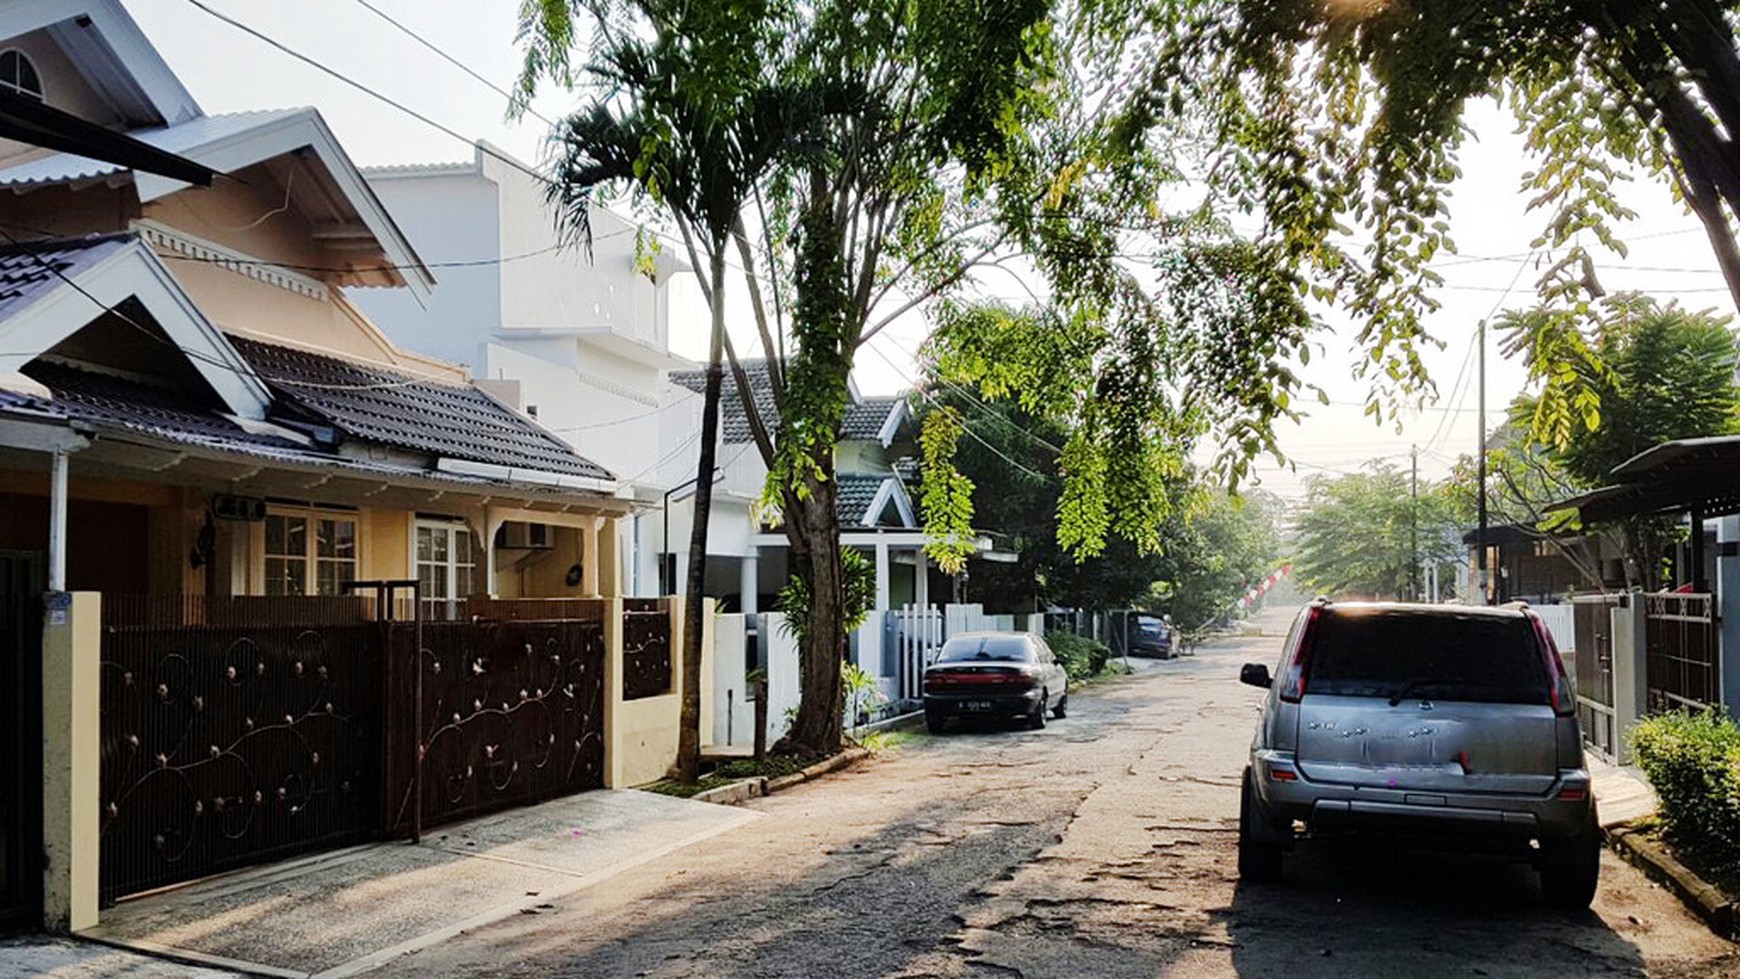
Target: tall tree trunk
816	730
689	733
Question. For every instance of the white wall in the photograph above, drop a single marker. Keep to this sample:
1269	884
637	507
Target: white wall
783	683
733	712
448	218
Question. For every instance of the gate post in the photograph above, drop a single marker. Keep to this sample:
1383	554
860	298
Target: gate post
72	662
613	776
1630	671
1728	613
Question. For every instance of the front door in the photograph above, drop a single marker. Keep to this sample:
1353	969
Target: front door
21	590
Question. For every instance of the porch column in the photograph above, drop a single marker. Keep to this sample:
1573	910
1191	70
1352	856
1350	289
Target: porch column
881	572
1728	609
921	579
72	638
57	524
749	581
591	561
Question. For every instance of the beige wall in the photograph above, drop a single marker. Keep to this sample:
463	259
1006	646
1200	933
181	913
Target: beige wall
71	762
62	88
641	735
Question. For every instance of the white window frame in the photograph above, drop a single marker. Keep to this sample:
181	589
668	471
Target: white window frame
311	557
13	85
451	566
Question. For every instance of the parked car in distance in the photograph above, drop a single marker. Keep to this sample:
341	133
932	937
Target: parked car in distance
1443	725
994	674
1151	635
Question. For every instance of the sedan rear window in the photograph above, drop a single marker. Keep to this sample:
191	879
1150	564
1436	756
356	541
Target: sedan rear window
1011	649
1440	656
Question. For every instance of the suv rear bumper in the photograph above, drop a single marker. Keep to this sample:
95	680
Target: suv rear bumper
1549	817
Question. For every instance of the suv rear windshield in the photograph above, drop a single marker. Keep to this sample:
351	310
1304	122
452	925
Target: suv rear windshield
1439	656
1012	649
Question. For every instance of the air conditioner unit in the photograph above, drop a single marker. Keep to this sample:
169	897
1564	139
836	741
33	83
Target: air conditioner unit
518	536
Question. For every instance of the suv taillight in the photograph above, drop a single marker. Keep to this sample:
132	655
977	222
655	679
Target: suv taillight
1299	662
1558	681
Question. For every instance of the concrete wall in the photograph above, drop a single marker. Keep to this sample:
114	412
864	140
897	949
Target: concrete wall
733	721
784	684
641	735
72	638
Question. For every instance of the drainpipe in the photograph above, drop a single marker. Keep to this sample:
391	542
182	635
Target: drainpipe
57	524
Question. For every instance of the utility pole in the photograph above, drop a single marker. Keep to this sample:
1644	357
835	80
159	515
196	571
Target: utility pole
1414	524
1480	532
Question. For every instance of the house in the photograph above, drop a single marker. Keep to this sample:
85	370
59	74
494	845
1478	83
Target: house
576	336
1532	565
205	448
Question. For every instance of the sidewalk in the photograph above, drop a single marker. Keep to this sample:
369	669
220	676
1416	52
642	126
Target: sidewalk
1621	792
346	912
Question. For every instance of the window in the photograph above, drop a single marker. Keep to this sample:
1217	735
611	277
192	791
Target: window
446	562
309	553
18	74
1440	655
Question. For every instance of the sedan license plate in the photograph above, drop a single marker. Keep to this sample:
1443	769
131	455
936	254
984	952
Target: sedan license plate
977	706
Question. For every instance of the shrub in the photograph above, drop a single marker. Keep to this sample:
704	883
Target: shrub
1081	657
1693	761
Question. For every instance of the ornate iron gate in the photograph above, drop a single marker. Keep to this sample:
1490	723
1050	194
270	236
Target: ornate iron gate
512	714
1681	659
1592	624
228	745
21	589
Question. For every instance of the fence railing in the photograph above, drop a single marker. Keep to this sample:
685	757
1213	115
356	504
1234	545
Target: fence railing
1681	660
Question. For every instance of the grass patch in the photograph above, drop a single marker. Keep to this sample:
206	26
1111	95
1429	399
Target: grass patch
888	740
773	766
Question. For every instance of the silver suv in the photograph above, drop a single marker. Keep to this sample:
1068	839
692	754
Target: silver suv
1440	724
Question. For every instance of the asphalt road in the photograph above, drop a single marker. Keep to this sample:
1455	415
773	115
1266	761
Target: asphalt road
1103	845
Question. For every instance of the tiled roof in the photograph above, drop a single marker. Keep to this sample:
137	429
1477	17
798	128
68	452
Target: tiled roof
112	402
29	269
854	496
393	408
863	421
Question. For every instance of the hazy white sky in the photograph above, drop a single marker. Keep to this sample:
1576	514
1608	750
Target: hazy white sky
229	71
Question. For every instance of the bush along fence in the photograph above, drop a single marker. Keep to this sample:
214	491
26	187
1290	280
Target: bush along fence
1693	761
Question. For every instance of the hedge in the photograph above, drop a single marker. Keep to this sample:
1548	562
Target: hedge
1081	657
1693	761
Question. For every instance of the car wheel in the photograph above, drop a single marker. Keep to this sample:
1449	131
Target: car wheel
1062	707
1259	862
934	720
1036	720
1569	883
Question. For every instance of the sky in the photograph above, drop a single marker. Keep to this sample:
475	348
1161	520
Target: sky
228	71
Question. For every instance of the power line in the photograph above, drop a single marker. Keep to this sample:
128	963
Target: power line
967	393
450	59
926	395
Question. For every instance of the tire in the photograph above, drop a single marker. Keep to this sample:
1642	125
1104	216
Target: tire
934	721
1062	708
1036	720
1259	862
1569	884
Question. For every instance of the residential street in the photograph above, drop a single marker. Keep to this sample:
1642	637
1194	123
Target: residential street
1102	845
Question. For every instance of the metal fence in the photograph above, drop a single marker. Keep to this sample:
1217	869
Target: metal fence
1681	659
1592	654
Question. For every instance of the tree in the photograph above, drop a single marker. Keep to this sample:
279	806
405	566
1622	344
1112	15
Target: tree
1377	508
689	113
1644	374
1227	544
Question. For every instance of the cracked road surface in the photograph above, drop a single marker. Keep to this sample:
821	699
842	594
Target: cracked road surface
1103	845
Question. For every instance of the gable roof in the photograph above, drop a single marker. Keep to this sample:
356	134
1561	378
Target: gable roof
50	290
861	500
867	419
233	141
116	58
449	421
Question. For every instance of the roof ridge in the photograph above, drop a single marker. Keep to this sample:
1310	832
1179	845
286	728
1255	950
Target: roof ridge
33	246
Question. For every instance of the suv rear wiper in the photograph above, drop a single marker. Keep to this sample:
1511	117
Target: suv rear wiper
1410	687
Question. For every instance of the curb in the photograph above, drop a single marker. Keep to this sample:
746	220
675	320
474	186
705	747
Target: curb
738	793
1703	898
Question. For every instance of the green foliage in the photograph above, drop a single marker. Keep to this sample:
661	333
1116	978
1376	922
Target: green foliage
1358	532
1080	656
1216	550
1693	762
1644	374
859	578
947	500
861	692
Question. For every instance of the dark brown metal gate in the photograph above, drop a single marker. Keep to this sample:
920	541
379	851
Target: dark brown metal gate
226	744
21	588
1593	664
1681	652
513	713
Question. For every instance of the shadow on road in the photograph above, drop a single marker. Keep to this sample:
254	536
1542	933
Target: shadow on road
1343	911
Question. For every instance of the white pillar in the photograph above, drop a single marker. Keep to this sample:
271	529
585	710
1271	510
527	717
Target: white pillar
921	580
1728	608
57	524
881	572
749	581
